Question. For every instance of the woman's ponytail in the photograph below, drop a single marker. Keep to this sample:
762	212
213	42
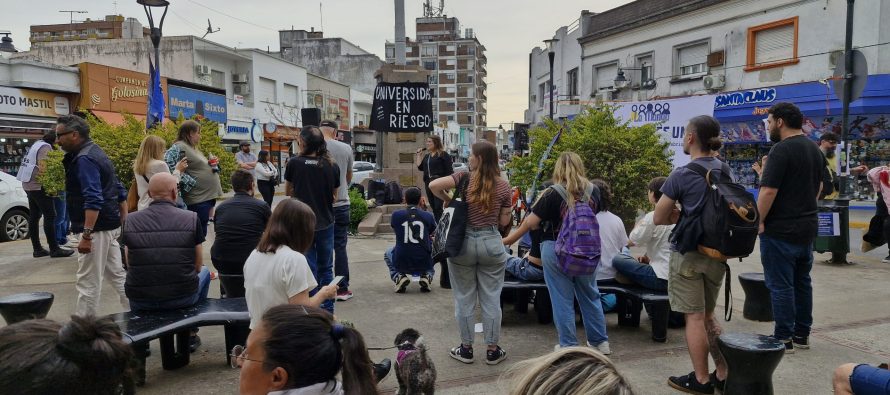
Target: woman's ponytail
357	373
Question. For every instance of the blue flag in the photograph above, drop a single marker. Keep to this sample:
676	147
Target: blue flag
155	112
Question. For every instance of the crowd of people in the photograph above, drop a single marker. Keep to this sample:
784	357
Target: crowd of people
288	258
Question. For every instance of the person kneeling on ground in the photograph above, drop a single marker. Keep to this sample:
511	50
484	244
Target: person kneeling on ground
86	355
166	265
283	364
650	270
851	378
411	254
568	371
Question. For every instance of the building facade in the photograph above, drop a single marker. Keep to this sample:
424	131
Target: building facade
457	63
333	58
111	27
566	77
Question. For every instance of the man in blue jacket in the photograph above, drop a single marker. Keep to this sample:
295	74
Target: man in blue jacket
411	255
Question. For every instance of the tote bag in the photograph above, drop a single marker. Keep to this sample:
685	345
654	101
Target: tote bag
452	226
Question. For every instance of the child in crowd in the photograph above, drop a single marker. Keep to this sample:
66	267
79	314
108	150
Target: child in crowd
651	269
411	254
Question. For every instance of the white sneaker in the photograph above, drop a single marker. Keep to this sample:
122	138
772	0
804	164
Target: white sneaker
73	241
602	347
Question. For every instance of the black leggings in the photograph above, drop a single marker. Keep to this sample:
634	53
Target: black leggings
267	189
879	226
39	204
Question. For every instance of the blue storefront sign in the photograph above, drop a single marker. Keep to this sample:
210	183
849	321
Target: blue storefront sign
190	102
741	113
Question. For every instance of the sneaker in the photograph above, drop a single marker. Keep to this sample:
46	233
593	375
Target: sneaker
801	342
789	346
425	283
886	260
494	357
401	283
194	343
344	295
381	370
61	253
866	246
602	347
73	242
461	353
690	384
718	384
40	253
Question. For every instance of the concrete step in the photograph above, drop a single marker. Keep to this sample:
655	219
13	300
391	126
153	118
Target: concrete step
368	226
385	229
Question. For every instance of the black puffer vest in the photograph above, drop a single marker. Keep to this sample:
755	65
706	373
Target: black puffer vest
161	242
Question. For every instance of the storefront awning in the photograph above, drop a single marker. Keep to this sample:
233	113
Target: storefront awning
26	124
114	118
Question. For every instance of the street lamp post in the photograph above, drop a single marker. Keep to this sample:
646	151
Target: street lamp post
550	54
155	30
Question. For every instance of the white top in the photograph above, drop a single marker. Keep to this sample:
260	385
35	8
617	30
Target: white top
154	167
342	154
272	279
265	171
612	239
331	387
656	240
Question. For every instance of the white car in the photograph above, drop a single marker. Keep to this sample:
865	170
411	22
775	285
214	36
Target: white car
361	171
459	167
14	206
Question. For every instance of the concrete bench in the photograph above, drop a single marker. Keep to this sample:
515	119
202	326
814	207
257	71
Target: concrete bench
631	299
522	290
173	328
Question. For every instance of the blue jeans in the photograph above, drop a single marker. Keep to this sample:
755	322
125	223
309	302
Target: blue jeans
564	289
203	211
393	272
341	232
786	269
477	275
524	270
61	219
320	257
178	303
869	380
641	274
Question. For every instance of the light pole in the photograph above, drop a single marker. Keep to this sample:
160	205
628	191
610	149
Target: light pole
155	31
550	55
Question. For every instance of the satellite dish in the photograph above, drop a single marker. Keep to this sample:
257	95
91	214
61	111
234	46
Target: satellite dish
209	29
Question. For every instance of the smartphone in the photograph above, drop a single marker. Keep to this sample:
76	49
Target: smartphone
337	280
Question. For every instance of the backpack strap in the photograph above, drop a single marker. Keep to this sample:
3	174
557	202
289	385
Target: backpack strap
725	172
561	190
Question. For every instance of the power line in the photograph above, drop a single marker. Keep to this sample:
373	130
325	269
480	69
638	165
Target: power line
187	21
233	17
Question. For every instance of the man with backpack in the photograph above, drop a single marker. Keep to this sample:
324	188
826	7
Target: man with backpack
791	184
694	279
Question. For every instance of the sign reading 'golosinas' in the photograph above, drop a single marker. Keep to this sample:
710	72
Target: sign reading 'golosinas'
402	107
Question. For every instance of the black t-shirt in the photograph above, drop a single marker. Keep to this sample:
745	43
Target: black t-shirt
314	180
795	167
239	223
550	208
535	250
434	167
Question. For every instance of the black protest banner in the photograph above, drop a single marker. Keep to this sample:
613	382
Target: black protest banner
402	107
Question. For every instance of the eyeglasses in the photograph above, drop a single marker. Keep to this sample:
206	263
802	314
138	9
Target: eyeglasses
239	354
62	134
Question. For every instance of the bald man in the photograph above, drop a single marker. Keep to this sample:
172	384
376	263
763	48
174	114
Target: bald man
164	253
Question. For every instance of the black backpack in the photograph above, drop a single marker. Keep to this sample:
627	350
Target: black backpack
393	194
728	216
377	191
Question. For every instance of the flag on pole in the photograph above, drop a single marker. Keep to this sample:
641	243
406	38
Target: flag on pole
155	112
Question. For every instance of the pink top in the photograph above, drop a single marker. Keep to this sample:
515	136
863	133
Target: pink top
880	181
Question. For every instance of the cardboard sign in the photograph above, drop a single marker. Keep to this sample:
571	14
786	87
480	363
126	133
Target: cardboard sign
402	107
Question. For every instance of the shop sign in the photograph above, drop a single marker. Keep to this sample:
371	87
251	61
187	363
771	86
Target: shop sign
766	95
191	102
112	89
365	148
239	100
238	129
344	114
31	102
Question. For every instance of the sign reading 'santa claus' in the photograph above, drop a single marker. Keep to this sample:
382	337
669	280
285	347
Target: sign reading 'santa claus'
402	107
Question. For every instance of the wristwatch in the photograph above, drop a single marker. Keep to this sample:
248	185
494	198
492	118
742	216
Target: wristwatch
87	234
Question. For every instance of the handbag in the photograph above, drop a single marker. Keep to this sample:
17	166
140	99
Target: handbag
452	226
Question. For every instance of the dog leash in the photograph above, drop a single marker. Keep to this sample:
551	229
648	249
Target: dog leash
381	348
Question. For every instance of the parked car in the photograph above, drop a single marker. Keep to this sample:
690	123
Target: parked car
361	170
460	167
14	206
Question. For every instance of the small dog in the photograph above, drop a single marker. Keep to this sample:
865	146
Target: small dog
414	368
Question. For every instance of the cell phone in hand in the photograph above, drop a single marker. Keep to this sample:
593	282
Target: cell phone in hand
337	280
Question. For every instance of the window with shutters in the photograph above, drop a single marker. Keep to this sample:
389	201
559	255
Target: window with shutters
572	83
772	45
604	76
291	96
266	92
691	60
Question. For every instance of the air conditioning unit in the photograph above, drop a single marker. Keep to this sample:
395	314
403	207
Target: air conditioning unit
604	95
242	89
239	78
714	82
202	69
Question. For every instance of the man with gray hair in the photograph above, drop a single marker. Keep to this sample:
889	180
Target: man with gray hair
342	154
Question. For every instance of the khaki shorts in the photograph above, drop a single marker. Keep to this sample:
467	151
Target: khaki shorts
694	282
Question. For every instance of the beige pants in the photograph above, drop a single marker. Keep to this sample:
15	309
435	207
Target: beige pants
104	260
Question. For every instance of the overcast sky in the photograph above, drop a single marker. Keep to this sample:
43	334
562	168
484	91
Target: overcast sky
509	29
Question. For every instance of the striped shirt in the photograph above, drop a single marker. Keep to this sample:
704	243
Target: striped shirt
479	216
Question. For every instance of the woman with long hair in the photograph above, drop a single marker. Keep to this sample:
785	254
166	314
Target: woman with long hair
277	272
275	360
313	178
547	214
434	164
479	271
150	161
266	176
199	184
568	371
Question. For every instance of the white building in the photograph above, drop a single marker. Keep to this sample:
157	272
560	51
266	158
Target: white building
566	75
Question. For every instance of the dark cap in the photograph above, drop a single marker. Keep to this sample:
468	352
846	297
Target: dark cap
829	137
243	143
329	123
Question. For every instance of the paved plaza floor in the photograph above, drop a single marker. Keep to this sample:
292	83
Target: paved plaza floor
852	319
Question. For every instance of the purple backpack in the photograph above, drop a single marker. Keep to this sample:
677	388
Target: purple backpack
578	243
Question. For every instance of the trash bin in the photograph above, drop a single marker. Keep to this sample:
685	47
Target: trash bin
834	229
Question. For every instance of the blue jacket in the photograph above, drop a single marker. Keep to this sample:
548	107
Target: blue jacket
91	183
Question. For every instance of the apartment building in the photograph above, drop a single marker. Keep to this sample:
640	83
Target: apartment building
111	27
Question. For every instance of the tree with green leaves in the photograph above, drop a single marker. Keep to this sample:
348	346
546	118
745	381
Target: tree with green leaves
625	156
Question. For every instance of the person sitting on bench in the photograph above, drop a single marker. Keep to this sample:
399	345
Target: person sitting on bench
166	268
86	355
650	270
411	255
529	267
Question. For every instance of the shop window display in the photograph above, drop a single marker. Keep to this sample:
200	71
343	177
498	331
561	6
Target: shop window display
12	150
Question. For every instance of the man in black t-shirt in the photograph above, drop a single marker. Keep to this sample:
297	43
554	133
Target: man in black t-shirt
790	186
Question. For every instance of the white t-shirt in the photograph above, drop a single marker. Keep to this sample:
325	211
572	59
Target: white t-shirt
612	239
656	240
272	279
